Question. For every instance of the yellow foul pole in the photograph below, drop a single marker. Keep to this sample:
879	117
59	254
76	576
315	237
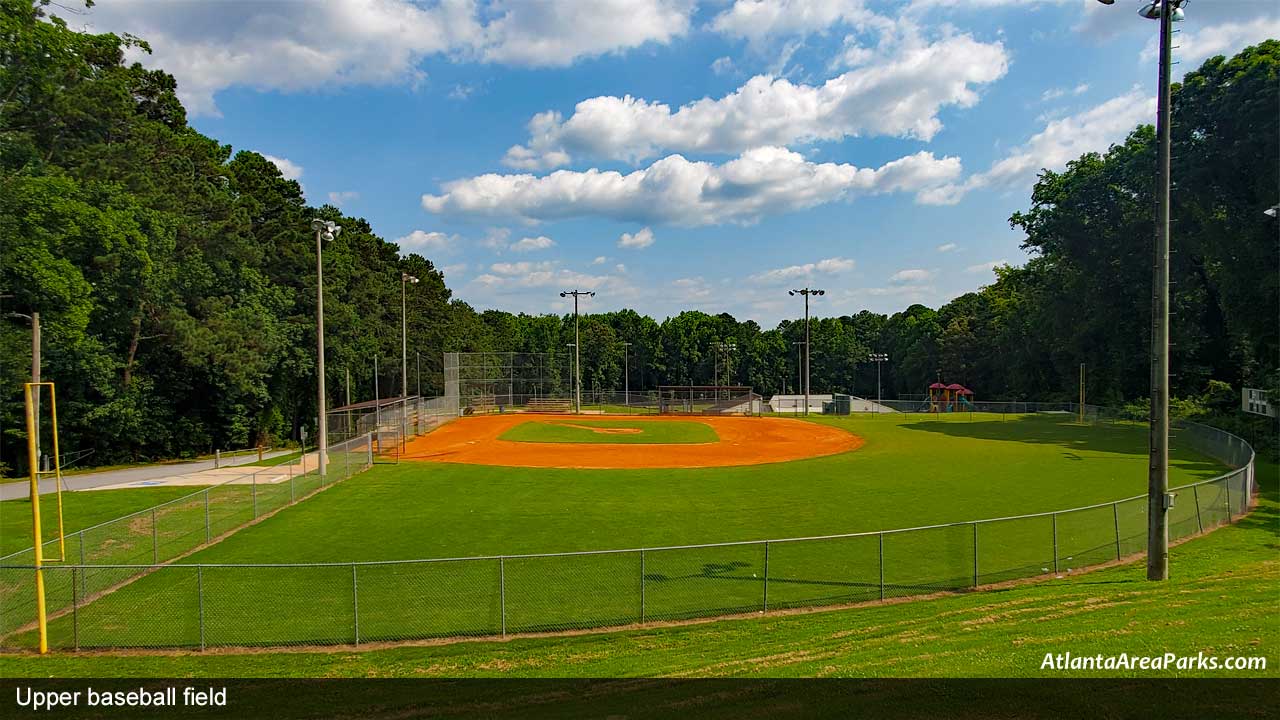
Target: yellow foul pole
32	461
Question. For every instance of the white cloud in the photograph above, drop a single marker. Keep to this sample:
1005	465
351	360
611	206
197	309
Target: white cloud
690	289
913	276
985	267
455	269
763	181
341	197
529	244
289	169
600	260
422	241
828	266
1060	141
759	19
1227	38
643	238
722	65
293	46
947	247
516	276
495	238
621	268
1055	93
900	96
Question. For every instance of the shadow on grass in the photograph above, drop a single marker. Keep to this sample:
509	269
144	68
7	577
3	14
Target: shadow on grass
1123	440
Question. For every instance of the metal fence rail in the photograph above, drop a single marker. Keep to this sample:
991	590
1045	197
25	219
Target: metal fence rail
207	605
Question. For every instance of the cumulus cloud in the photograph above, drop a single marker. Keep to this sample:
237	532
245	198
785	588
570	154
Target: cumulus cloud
722	65
759	19
947	247
1227	38
985	267
525	275
828	266
289	169
763	181
641	239
911	276
423	241
529	244
899	97
600	260
341	197
290	46
1061	140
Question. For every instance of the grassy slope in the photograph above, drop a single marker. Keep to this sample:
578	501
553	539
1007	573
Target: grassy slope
580	431
992	469
1220	601
80	510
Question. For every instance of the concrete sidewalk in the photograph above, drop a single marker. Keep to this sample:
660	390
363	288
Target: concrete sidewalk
149	474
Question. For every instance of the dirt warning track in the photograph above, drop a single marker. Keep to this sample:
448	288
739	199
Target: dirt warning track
743	441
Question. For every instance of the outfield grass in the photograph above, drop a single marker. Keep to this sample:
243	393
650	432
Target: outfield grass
1220	600
910	472
652	432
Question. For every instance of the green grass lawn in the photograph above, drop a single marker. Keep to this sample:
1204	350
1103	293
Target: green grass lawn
278	460
652	432
910	472
1220	600
80	509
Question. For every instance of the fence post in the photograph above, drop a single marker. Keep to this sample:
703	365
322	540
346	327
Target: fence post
291	498
882	565
1055	543
355	601
1115	514
207	538
766	576
155	539
83	583
200	600
642	608
1227	483
75	609
1195	494
975	554
502	592
217	459
255	494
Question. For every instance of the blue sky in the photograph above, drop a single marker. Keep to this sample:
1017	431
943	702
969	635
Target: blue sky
673	155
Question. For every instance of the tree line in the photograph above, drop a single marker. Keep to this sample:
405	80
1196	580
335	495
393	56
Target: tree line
176	277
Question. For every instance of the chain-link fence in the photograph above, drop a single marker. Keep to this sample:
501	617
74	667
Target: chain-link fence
206	605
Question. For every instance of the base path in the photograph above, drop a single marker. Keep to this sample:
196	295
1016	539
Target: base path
743	441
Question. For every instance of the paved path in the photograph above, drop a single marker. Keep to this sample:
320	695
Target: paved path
85	481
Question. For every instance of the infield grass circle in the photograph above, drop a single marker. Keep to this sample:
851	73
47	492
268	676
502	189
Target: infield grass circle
628	432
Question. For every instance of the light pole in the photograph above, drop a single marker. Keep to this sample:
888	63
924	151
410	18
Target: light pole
626	373
806	292
573	363
723	349
325	230
1158	498
878	358
577	360
799	366
405	279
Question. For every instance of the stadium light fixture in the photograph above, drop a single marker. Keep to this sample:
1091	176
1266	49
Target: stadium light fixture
1158	498
806	292
878	358
326	231
577	357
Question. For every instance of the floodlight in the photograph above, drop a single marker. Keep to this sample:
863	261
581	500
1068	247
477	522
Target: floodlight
1150	11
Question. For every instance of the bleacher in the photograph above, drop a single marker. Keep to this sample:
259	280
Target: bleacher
549	405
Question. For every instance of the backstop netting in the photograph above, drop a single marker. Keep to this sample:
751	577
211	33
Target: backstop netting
479	382
707	400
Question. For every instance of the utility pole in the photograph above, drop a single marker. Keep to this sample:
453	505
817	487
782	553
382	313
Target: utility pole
325	230
878	358
577	347
35	378
806	292
626	373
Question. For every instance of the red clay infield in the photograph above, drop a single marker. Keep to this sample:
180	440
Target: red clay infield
743	441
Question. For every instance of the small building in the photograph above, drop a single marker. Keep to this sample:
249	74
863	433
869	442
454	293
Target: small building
1253	400
795	403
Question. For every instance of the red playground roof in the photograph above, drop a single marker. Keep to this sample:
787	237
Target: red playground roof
955	386
937	386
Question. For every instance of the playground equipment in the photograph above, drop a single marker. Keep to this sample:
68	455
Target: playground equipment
949	398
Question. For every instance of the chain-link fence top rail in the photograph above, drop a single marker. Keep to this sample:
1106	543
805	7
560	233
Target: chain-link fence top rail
112	553
185	605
